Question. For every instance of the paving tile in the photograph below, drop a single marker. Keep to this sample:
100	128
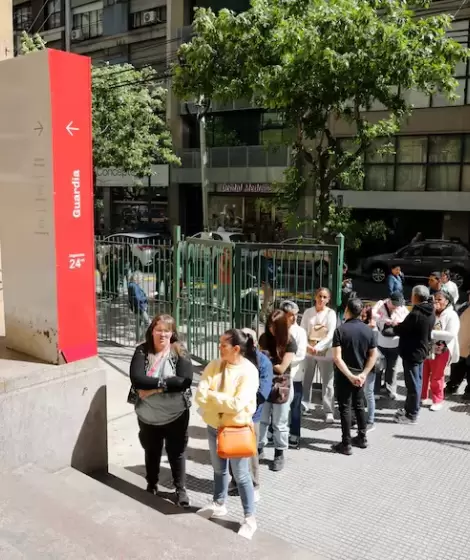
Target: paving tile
406	496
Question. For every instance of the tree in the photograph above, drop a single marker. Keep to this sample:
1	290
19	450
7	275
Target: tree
317	62
129	128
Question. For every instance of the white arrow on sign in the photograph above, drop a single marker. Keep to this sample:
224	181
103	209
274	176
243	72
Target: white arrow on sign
69	128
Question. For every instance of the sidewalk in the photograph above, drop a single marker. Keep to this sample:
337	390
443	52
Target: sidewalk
407	496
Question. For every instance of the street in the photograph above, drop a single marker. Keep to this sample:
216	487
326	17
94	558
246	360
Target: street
406	496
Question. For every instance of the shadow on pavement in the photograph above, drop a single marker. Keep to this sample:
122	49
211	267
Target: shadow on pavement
457	444
159	503
197	432
312	443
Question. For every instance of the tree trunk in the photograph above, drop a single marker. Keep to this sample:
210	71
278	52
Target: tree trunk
323	203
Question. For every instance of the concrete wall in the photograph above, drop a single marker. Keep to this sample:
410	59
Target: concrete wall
52	417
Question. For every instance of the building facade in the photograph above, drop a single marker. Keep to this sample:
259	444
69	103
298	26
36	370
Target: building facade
114	31
424	186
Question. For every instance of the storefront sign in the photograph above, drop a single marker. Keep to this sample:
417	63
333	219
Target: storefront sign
245	188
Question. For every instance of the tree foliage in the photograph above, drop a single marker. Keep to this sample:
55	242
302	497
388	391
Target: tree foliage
318	62
129	128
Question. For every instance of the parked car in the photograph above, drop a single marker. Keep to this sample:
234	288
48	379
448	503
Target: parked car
140	249
419	259
228	236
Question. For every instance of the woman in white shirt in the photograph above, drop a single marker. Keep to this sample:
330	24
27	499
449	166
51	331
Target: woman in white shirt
445	349
388	312
319	322
449	286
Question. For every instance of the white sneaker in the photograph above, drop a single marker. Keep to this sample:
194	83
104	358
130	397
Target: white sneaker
330	419
213	510
305	407
435	407
257	496
248	528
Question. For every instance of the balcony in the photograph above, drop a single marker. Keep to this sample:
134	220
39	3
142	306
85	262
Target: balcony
253	164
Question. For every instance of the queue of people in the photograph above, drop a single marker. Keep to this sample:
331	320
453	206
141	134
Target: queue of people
257	387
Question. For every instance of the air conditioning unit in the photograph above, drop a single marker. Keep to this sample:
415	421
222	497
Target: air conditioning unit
77	35
150	17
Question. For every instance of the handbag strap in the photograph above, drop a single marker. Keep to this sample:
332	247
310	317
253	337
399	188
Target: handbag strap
223	367
388	311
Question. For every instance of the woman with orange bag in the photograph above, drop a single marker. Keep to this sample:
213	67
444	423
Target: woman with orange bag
226	396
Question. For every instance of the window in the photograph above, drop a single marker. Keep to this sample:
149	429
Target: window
410	251
433	250
373	154
216	237
53	14
89	23
443	178
412	149
411	178
441	100
379	178
418	99
22	17
444	149
148	17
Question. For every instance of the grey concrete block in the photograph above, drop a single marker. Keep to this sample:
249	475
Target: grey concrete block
53	416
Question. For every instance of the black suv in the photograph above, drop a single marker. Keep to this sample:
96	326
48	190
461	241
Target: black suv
419	259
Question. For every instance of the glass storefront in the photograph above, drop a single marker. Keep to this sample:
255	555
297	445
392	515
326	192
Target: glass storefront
254	214
139	208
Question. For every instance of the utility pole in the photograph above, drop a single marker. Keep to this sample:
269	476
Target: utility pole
6	29
67	24
201	117
203	106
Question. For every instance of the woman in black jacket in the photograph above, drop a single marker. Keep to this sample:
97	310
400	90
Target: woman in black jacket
161	373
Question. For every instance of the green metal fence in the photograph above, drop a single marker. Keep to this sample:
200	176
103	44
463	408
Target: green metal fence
208	286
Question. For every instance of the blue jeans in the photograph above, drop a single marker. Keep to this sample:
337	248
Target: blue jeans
413	374
241	473
296	409
369	390
278	415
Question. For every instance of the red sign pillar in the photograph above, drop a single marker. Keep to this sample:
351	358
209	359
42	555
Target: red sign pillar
46	206
70	79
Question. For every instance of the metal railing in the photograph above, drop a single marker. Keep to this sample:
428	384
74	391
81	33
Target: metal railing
208	286
238	156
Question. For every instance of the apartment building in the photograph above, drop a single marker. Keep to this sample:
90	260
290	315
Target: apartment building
424	186
117	31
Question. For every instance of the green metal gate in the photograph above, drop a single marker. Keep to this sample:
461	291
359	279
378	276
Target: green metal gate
206	310
210	286
266	274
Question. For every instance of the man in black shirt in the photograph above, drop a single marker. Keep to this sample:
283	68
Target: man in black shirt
354	354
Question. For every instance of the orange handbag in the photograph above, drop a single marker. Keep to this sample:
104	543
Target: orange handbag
235	442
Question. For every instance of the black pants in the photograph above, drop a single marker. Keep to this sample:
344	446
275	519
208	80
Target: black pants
459	372
413	374
350	397
175	436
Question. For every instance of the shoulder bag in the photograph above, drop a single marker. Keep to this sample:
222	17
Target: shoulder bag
386	331
235	442
317	333
133	395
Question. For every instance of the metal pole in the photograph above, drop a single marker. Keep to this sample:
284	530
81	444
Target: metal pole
339	272
67	24
204	163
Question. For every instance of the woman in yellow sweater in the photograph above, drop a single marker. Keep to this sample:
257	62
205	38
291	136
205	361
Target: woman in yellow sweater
226	396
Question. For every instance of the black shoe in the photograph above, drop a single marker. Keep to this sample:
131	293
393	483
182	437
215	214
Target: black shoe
360	442
405	420
182	498
450	390
278	463
151	488
466	397
342	448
